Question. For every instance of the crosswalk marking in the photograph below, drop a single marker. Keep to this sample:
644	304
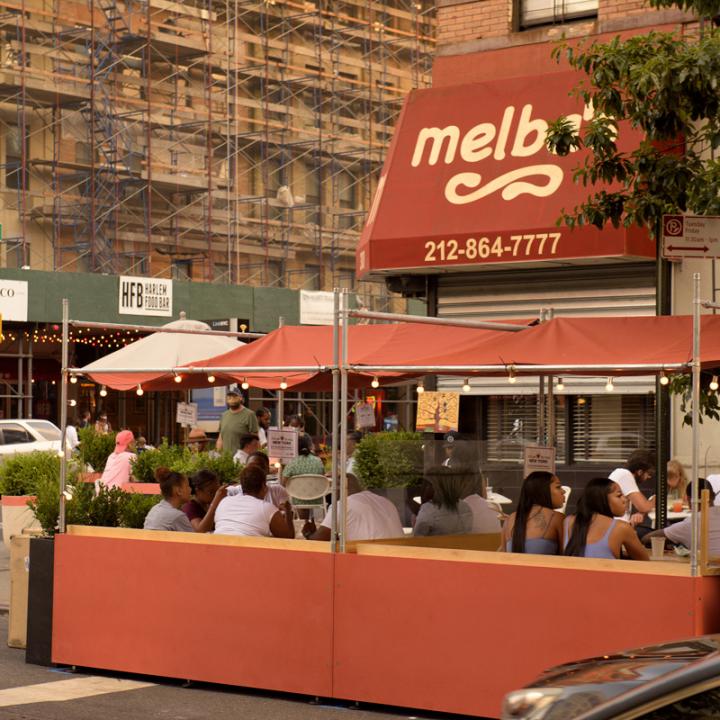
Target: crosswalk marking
64	690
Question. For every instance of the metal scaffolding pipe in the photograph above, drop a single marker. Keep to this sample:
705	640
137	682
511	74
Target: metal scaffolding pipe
422	320
160	328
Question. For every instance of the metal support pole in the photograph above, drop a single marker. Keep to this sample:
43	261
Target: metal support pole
21	389
63	411
550	411
335	418
281	393
342	519
29	410
695	524
541	411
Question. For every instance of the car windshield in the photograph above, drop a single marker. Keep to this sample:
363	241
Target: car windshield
46	429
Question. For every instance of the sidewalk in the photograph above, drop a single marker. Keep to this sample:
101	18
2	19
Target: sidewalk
4	579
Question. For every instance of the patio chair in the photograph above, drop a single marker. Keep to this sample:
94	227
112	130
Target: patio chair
306	490
567	490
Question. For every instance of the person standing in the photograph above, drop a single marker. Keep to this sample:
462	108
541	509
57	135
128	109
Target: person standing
85	419
235	422
263	418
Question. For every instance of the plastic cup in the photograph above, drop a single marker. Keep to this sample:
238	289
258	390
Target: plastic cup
657	548
677	506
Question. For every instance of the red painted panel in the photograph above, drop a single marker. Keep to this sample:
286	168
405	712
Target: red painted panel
239	616
457	636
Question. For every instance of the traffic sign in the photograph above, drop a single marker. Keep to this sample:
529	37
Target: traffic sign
691	236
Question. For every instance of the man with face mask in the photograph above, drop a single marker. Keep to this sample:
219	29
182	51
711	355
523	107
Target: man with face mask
235	422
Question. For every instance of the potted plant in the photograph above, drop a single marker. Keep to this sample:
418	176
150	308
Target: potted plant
19	478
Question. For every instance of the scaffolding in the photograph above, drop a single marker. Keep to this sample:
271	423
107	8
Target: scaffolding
231	141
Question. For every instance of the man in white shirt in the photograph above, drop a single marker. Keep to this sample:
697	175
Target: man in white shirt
680	533
249	443
369	517
640	468
352	441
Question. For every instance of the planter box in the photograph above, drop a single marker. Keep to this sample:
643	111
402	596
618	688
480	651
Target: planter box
19	575
40	601
17	516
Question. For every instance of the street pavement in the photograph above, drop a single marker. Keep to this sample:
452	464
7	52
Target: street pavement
68	695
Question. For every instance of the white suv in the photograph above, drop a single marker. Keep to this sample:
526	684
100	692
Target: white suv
24	436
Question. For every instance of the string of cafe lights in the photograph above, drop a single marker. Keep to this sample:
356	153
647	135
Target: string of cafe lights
109	340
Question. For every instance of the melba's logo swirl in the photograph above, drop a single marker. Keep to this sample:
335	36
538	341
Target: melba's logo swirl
485	140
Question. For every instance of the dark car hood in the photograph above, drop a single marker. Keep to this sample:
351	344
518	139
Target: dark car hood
631	666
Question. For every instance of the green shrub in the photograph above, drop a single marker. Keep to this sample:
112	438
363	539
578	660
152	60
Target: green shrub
78	507
183	460
135	507
94	449
106	507
390	459
46	505
21	473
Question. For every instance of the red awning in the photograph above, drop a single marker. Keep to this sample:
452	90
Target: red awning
392	344
467	182
618	341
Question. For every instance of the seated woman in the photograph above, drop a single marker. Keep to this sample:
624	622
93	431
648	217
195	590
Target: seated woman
676	481
167	515
596	530
535	527
208	492
306	463
447	513
276	494
249	514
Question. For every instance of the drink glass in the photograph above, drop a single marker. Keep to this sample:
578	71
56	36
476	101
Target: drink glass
677	506
657	548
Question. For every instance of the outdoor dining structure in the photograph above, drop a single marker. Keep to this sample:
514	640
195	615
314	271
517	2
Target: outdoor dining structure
399	622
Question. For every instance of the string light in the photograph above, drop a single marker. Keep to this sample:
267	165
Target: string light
211	379
664	380
560	384
178	378
512	377
73	379
420	389
714	383
103	391
72	403
609	385
139	390
283	384
245	385
375	382
466	385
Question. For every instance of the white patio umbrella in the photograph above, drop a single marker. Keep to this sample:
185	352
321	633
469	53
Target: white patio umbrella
161	350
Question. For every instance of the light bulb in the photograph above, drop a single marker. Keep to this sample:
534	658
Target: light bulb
139	390
609	385
560	384
714	382
420	389
466	385
178	378
211	379
512	377
72	403
245	384
664	380
375	382
103	391
283	384
73	379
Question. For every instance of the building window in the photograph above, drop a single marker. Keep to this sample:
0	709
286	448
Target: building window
135	265
182	270
512	424
546	12
18	254
607	428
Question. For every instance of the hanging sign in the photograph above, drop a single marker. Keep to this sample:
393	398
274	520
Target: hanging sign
143	296
14	300
438	411
364	416
187	414
282	444
538	457
316	308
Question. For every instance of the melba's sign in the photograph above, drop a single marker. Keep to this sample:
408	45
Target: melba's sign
468	180
143	296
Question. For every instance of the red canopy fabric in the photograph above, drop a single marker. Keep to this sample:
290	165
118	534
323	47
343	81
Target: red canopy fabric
619	341
392	344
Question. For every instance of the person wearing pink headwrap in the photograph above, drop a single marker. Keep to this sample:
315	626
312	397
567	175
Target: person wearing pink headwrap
119	463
